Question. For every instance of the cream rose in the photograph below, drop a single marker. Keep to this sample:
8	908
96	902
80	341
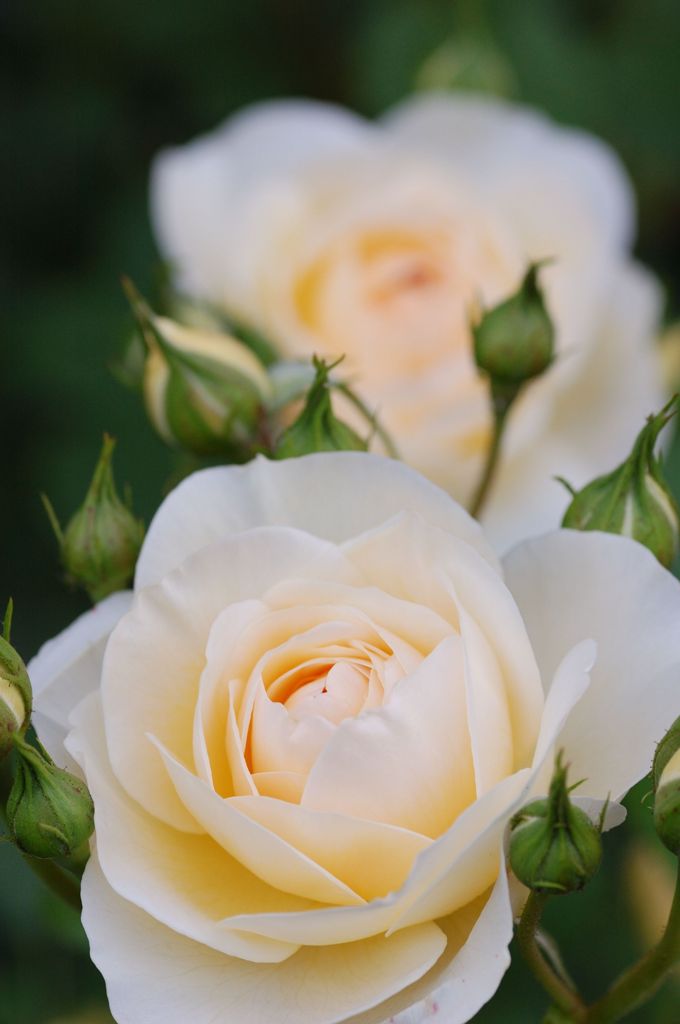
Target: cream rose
335	235
306	729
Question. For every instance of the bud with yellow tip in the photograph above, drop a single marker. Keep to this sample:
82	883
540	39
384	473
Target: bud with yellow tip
16	697
204	390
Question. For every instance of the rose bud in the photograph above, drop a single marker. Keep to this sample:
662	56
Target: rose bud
49	811
16	697
515	340
554	846
101	542
204	390
667	805
666	779
317	428
634	499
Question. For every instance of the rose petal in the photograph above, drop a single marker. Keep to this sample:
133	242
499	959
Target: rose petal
370	857
201	194
67	668
266	854
155	657
409	763
155	974
571	585
353	491
185	882
442	571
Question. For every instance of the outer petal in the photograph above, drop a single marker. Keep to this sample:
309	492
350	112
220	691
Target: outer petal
154	660
334	495
538	159
573	585
468	974
186	882
216	202
68	667
154	975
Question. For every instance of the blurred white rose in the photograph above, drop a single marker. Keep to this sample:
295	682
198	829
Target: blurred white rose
306	730
335	235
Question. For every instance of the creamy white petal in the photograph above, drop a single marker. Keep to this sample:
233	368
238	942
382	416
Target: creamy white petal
466	976
415	624
153	974
463	861
156	655
216	203
370	857
68	667
573	585
186	882
517	155
444	572
408	763
334	495
264	852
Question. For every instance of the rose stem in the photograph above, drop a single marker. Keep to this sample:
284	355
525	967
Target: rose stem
640	982
371	419
562	996
499	421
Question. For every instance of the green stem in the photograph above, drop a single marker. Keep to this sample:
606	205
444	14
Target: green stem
640	982
62	884
370	418
564	998
482	493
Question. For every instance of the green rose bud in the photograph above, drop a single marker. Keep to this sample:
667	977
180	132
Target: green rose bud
666	780
634	500
204	390
49	811
554	846
667	805
515	340
317	428
101	542
16	697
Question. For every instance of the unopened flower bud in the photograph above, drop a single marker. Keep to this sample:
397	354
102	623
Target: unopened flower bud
515	340
101	542
554	846
317	428
49	811
204	389
634	500
666	779
16	697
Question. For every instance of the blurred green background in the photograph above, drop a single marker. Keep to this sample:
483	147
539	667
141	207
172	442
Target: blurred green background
90	92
